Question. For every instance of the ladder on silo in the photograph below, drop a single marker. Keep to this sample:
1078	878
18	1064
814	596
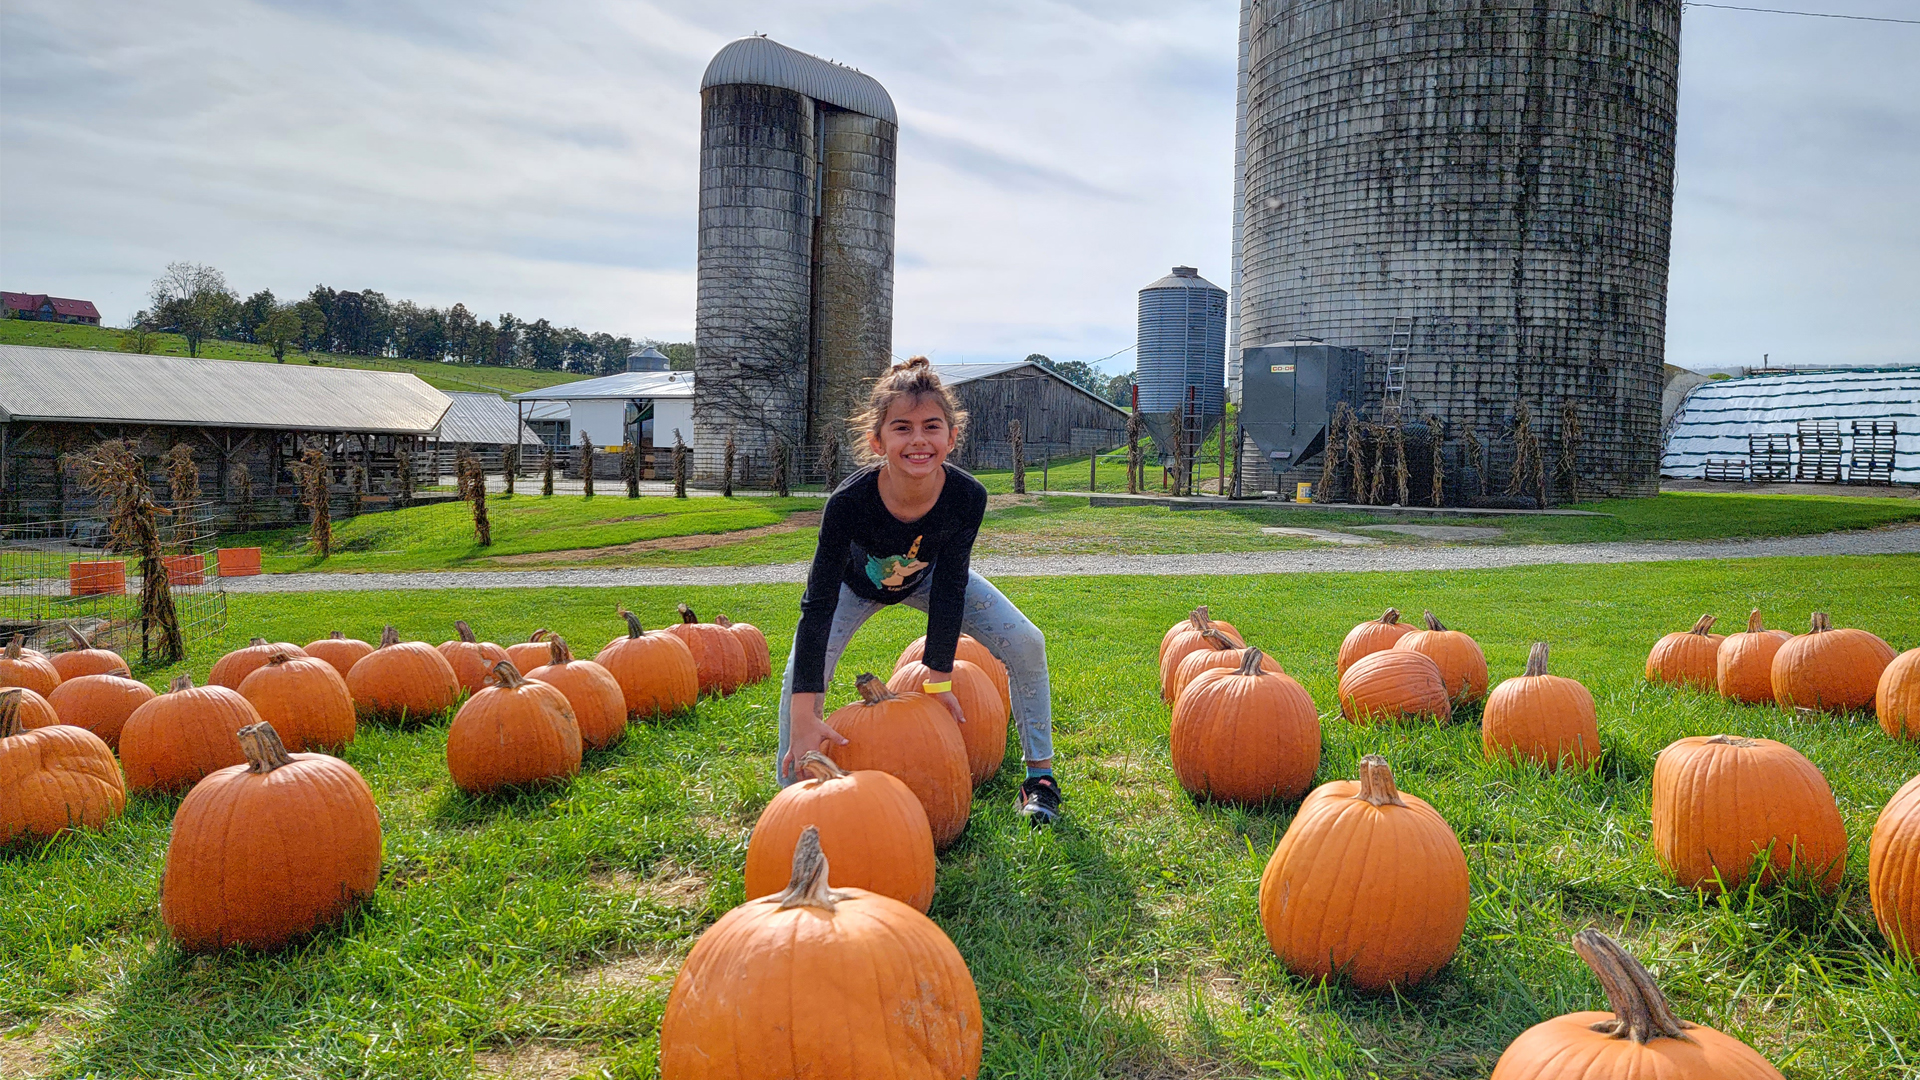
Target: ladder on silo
1399	348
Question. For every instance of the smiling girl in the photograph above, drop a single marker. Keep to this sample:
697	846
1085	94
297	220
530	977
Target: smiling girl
901	531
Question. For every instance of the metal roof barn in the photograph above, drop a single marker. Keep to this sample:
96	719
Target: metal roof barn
80	385
483	420
1716	419
626	384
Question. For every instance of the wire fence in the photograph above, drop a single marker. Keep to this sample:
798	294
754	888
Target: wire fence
63	573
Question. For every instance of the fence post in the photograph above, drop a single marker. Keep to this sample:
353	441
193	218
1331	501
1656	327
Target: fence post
1093	470
1019	457
510	464
1046	469
726	469
679	466
586	464
1133	445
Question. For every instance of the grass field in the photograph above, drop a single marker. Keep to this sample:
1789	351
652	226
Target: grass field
611	530
537	936
440	376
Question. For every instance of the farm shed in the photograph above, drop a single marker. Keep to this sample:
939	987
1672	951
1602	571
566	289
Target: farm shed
647	405
230	412
1843	425
485	423
1056	417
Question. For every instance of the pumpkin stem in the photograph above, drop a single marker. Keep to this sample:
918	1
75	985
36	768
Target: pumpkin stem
389	636
466	632
872	690
1200	618
557	651
10	725
256	641
1537	659
1218	641
182	681
1754	625
265	751
79	639
821	767
686	614
1250	661
1640	1010
505	674
338	635
722	620
634	629
1730	740
1820	624
280	656
1702	626
1391	617
1433	621
808	887
14	646
539	635
1376	782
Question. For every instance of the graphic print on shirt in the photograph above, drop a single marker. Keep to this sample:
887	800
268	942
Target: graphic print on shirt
893	571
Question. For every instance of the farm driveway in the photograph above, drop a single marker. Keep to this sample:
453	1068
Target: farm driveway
1899	540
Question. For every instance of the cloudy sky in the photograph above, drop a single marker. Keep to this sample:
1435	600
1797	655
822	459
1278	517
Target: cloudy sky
540	158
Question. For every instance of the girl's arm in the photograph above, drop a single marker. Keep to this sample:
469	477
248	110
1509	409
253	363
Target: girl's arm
807	707
947	595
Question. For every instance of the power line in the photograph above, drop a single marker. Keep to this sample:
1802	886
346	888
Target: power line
1809	14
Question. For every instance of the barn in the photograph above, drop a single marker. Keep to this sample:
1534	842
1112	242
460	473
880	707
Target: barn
647	406
1057	418
228	412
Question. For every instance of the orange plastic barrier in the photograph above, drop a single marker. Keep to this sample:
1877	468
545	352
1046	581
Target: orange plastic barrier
239	562
97	578
186	569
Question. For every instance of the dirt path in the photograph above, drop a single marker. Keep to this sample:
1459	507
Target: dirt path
1899	540
805	519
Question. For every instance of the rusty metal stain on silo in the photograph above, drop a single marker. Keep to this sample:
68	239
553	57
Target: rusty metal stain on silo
1497	174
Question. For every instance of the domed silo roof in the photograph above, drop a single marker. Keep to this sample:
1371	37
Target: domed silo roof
761	61
1182	344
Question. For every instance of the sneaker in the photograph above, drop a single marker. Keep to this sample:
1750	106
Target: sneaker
1040	800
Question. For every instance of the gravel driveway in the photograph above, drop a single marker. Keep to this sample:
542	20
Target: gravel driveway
1900	540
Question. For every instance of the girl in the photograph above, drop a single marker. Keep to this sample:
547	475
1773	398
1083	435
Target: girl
899	531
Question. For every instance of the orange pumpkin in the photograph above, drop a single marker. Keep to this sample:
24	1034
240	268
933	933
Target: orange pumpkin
1202	660
1639	1037
35	712
1463	667
305	700
1370	637
973	652
1828	669
100	703
1187	625
1394	684
1896	700
913	737
754	644
1720	801
870	825
655	670
180	737
511	734
531	653
84	659
30	668
1198	635
591	691
472	660
402	680
1687	659
717	653
1367	882
54	778
339	650
1893	869
232	669
1245	734
766	994
985	732
270	850
1546	719
1743	666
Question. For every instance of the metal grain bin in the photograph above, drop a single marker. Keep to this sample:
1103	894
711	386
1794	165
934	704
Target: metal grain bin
1182	345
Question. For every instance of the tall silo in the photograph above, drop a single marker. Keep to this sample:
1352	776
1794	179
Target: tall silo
1181	356
795	281
1479	195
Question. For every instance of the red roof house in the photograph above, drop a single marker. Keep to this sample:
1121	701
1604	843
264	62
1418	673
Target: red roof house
14	305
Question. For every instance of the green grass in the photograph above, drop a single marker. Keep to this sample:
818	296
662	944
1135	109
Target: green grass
540	933
498	380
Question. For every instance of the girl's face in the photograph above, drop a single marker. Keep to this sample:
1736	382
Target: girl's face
915	438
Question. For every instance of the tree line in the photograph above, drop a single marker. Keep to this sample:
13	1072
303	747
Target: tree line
196	302
1115	388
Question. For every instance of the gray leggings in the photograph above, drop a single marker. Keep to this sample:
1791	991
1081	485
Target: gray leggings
991	619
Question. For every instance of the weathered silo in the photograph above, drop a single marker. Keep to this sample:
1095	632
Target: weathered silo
1181	356
795	282
1480	196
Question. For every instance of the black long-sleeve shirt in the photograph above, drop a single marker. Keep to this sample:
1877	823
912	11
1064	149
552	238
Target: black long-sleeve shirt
884	559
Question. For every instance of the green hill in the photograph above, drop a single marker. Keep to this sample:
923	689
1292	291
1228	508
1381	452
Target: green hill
440	376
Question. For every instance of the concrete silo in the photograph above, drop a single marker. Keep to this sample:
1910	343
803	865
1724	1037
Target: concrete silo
1478	195
1181	357
795	282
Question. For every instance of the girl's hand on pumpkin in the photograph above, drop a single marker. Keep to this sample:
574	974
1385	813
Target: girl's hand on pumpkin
807	731
953	705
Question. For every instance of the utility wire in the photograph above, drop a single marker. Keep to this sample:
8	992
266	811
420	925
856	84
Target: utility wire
1809	14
